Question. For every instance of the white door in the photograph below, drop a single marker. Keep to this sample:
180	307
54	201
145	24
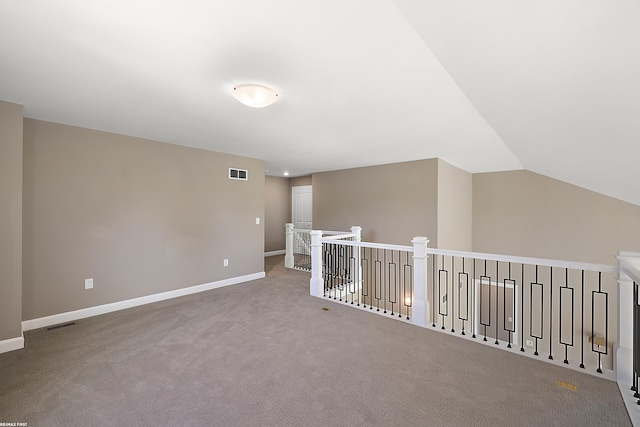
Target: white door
301	207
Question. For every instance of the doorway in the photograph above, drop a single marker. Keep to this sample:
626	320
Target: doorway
301	207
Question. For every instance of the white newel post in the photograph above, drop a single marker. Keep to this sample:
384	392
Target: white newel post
629	270
316	284
419	306
288	257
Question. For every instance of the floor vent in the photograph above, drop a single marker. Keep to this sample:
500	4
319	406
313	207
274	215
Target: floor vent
240	174
62	325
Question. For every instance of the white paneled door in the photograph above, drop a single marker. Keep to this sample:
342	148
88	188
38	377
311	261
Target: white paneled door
301	206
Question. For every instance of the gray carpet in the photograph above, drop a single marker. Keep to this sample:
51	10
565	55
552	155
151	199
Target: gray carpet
265	353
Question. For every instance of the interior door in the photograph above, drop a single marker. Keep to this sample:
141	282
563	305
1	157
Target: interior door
301	205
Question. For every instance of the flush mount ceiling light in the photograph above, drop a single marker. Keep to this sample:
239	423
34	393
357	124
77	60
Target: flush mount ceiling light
255	96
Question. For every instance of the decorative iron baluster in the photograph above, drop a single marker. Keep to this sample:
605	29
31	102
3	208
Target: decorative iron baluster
408	285
541	286
453	293
582	323
550	312
562	320
462	274
504	305
522	268
443	299
606	321
497	300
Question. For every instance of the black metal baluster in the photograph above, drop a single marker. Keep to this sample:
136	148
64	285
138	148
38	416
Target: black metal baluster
377	280
564	290
408	284
453	294
522	308
473	300
466	294
582	324
433	290
365	279
634	382
550	312
443	299
513	304
385	286
606	320
541	311
393	296
636	335
497	301
482	278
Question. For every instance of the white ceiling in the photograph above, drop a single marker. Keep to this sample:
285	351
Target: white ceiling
551	86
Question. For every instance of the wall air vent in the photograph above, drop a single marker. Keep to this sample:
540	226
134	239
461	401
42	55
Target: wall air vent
240	174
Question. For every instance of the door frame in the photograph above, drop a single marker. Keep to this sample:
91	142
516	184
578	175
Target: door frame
294	191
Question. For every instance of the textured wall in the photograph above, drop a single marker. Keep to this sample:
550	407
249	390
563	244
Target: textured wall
523	213
455	208
392	203
10	220
139	217
276	212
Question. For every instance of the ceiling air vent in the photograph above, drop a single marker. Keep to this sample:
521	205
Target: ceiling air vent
238	174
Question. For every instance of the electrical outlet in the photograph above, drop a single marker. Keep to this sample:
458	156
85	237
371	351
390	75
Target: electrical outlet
529	343
88	283
225	263
257	221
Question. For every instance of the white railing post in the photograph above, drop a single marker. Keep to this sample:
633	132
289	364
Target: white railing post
419	308
288	257
316	284
629	264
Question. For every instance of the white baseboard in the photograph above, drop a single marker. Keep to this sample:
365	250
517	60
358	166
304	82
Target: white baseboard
11	344
623	364
43	322
272	253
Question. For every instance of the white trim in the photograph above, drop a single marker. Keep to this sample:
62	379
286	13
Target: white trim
55	319
623	364
630	402
272	253
526	260
11	344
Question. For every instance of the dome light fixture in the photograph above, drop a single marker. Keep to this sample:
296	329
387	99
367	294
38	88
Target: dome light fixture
256	96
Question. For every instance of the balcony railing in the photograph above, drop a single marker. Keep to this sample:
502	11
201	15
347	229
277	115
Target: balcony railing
556	310
578	315
298	246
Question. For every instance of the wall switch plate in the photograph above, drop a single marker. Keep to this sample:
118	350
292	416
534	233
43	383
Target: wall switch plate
88	283
257	221
225	263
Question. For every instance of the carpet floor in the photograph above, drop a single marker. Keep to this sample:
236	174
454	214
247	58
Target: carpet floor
265	353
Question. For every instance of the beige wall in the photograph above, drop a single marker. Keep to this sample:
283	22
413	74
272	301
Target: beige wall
523	213
455	208
301	180
392	203
10	220
139	217
276	212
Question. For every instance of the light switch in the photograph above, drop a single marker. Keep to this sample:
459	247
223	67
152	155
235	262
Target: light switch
257	221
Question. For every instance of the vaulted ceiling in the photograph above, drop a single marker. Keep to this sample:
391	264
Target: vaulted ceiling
552	86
